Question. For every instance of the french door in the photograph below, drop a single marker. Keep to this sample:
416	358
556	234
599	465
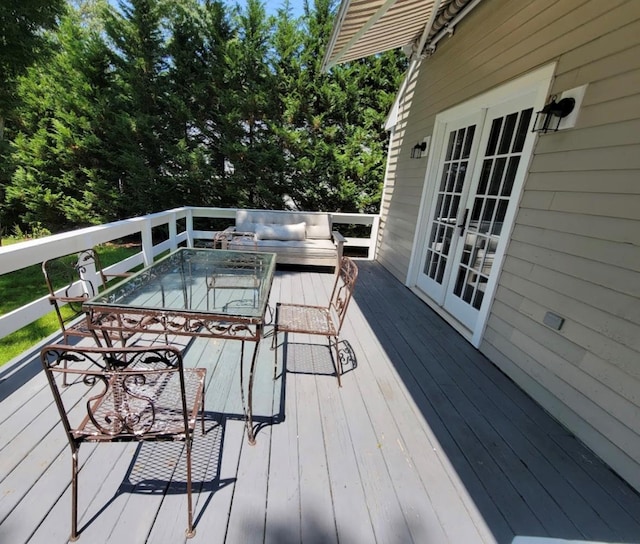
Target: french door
482	161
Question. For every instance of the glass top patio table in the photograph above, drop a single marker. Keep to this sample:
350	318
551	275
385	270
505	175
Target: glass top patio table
191	291
176	295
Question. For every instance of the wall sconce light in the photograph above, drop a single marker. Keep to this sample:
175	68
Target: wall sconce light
418	149
548	118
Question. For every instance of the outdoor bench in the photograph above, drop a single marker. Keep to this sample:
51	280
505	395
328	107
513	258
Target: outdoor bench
301	238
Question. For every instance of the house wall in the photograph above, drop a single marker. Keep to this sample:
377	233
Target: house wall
575	248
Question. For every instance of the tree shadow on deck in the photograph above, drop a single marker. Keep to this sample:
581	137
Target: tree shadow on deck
526	473
159	468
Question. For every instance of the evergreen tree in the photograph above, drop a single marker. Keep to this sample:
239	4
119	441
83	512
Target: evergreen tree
63	171
198	100
319	124
137	37
285	63
339	164
370	84
23	40
163	103
252	151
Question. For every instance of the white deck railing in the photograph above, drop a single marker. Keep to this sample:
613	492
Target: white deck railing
179	223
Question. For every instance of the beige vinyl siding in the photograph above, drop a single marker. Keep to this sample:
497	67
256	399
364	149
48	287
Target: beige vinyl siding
498	41
575	247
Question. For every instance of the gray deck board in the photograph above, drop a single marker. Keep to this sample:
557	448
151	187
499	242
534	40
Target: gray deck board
426	442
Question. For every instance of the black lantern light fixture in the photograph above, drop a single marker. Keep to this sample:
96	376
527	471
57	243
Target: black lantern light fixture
418	149
548	118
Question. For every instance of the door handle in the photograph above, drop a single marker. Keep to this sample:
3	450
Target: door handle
464	222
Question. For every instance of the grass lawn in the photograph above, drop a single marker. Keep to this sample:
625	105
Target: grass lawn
23	286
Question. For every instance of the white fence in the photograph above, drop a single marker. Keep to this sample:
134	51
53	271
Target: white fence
179	223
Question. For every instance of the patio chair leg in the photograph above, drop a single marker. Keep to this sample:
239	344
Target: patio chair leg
190	530
74	496
202	411
338	365
65	339
274	344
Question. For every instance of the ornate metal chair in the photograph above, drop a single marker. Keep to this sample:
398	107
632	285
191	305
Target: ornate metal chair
132	394
231	239
71	280
320	320
239	273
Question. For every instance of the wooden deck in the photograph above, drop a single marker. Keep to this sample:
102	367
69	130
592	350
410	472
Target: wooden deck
426	442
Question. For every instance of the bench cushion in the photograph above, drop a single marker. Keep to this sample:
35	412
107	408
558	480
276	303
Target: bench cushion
294	232
318	224
301	250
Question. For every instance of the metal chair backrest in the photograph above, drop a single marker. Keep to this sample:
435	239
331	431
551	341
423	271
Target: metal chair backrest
127	392
343	288
72	279
124	395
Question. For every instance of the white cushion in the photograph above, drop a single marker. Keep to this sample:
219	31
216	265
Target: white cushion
318	224
295	232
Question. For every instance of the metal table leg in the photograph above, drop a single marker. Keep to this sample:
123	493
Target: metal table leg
248	406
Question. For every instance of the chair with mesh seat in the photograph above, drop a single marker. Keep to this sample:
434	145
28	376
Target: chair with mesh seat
132	394
72	280
320	320
235	240
240	272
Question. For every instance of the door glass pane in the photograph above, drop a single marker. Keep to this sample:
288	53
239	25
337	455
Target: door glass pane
455	206
446	212
496	228
451	177
484	177
508	133
496	175
523	130
510	176
459	145
452	138
487	215
494	135
462	172
468	141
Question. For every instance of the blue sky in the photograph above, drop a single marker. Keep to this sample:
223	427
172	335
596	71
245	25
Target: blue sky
272	6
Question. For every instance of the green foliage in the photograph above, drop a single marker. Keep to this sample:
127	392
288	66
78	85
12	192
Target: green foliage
197	104
37	231
153	104
23	40
62	162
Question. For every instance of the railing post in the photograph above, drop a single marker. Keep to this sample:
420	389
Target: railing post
373	238
189	226
147	243
173	231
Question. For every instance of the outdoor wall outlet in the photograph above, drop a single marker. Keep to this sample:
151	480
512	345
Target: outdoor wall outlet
553	320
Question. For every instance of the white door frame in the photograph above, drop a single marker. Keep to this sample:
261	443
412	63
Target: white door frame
538	81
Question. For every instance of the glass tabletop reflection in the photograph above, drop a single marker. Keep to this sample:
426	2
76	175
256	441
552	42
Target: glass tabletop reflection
206	281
